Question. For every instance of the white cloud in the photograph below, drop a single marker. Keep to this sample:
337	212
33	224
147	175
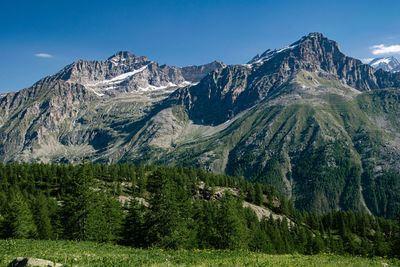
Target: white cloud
43	55
382	49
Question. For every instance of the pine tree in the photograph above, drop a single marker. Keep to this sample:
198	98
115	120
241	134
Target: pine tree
259	197
381	248
103	224
78	203
42	218
251	194
134	227
169	213
206	213
231	224
19	222
396	241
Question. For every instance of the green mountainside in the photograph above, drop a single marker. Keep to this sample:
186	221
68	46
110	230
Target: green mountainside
320	126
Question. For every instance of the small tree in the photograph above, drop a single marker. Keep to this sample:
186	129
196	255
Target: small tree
259	197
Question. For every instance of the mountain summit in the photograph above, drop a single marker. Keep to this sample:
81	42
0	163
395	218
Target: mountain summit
390	64
126	73
320	126
236	88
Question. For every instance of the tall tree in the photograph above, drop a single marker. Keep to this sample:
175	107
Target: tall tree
231	223
170	209
134	227
78	204
42	218
19	222
104	223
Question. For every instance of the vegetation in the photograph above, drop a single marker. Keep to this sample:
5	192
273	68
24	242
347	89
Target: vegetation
102	254
175	208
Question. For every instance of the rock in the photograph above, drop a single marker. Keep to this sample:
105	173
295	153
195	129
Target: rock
22	262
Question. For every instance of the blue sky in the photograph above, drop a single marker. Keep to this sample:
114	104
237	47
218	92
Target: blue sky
38	38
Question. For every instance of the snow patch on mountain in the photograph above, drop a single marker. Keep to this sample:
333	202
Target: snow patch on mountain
380	61
267	55
118	79
168	85
385	63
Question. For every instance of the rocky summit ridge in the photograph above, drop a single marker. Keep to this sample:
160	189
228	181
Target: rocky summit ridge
319	125
125	72
390	64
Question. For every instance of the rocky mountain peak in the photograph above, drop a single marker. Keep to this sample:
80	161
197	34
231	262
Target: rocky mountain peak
313	43
316	53
222	95
125	72
125	58
390	64
122	55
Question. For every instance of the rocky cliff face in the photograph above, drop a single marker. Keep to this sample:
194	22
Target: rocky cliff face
228	91
60	116
125	72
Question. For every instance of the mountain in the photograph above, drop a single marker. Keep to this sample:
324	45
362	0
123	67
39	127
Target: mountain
67	116
385	63
124	72
320	126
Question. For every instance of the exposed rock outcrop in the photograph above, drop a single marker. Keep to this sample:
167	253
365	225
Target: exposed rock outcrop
32	262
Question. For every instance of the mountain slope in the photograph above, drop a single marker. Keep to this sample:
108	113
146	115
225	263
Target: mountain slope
79	110
319	125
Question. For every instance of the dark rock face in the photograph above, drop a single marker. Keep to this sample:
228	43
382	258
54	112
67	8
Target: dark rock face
196	73
215	99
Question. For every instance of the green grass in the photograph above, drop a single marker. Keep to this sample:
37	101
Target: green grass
93	254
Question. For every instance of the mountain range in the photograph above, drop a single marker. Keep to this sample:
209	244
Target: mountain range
319	125
385	63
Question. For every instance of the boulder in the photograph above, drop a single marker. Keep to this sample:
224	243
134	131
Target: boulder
22	262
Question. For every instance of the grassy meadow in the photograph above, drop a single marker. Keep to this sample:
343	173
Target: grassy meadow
72	253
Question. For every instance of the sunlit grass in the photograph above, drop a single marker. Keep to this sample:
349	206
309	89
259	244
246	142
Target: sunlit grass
94	254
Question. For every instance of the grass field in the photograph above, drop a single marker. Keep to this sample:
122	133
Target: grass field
94	254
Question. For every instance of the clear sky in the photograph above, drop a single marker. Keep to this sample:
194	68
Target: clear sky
38	38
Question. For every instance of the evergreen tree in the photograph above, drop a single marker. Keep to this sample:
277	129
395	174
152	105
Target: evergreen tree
19	222
231	224
104	222
206	214
259	196
79	203
169	212
134	228
42	218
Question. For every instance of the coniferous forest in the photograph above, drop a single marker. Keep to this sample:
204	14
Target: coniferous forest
173	208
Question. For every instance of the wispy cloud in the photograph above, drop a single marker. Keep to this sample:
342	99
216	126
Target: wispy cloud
43	55
382	49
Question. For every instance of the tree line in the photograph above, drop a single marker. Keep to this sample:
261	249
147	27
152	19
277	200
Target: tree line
173	208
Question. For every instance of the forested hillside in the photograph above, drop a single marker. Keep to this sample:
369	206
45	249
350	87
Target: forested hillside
175	207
